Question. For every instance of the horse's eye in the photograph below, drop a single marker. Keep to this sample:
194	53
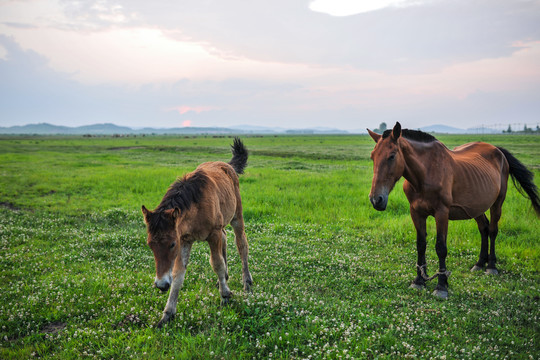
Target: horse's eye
172	245
392	157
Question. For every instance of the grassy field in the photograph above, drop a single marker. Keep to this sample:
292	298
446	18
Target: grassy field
331	274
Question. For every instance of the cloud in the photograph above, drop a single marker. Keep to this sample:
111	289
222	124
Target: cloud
353	7
30	91
404	39
413	39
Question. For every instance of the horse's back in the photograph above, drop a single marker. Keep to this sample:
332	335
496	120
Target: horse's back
220	171
483	156
222	193
483	149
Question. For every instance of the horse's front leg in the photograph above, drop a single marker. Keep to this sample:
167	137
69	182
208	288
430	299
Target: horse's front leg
218	264
178	275
421	271
441	220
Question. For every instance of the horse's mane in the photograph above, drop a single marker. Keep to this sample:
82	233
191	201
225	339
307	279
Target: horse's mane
182	194
415	135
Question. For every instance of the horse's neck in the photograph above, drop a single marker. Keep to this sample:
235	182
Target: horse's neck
415	155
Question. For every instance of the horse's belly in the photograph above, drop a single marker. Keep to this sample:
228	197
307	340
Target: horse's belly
461	213
472	207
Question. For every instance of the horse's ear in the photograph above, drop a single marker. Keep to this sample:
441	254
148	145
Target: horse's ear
175	213
396	131
374	135
145	212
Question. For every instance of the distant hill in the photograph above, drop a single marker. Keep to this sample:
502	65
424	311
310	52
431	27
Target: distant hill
111	129
483	130
101	129
258	129
443	129
108	129
43	128
49	129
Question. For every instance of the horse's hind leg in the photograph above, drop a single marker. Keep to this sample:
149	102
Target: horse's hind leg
224	251
496	211
218	264
483	227
243	248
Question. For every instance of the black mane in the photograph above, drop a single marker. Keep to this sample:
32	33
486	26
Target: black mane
181	194
184	192
415	135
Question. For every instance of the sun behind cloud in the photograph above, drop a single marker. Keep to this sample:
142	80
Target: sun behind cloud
352	7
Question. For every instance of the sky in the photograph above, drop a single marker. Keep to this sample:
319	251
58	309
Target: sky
282	63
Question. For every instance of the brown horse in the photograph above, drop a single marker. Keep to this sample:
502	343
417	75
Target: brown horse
198	207
449	185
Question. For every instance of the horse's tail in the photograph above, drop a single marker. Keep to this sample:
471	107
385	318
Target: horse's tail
524	177
240	156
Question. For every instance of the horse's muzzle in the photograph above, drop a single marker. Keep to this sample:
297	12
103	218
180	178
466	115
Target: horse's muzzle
379	202
163	284
162	287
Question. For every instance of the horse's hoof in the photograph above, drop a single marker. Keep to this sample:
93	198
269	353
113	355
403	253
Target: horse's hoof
225	301
165	319
160	324
476	268
441	294
247	284
417	286
492	271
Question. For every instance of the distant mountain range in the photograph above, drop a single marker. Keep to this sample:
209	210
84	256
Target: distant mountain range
111	129
105	129
443	129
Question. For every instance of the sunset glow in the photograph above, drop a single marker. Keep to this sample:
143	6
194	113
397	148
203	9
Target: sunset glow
196	109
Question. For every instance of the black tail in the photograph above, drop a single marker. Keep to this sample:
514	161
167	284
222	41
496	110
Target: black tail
524	177
240	156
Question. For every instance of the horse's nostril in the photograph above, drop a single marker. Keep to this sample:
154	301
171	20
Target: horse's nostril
163	286
378	202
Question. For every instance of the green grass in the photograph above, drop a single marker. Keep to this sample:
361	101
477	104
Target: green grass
331	274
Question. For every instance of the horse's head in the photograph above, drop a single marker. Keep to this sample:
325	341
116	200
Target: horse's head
163	240
388	166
